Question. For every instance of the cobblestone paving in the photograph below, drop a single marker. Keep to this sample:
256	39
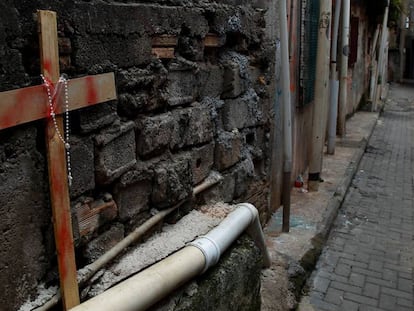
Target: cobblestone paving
368	261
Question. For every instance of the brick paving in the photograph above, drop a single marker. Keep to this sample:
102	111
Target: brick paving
368	260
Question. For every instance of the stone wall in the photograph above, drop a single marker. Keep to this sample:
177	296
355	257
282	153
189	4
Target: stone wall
237	279
204	107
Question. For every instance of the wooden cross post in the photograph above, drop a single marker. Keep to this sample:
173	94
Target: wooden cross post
31	103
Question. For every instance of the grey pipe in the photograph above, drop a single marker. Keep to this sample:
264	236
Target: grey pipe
334	83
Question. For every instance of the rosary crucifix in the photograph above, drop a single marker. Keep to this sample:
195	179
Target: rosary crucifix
49	101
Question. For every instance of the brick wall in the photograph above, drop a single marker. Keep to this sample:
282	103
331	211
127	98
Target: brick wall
202	104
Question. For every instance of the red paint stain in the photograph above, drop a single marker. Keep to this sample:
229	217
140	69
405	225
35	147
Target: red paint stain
91	91
47	65
19	108
64	248
64	242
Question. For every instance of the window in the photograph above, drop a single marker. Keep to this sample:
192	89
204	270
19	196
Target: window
353	42
308	48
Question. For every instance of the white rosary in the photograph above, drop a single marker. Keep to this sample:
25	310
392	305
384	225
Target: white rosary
62	80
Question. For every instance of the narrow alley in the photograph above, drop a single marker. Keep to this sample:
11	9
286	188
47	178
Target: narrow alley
367	263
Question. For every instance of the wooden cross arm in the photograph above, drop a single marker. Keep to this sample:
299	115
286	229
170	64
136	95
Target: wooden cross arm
31	103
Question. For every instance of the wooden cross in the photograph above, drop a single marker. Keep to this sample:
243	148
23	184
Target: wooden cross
31	103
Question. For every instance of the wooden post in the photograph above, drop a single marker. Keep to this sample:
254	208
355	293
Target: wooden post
59	191
31	103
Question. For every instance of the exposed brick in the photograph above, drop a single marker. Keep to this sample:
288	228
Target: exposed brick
93	214
211	81
155	134
194	126
228	149
222	192
181	89
172	183
181	85
202	160
233	86
243	172
242	112
132	194
130	105
97	117
136	79
114	153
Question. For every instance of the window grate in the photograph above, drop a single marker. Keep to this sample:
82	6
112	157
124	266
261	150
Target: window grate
308	49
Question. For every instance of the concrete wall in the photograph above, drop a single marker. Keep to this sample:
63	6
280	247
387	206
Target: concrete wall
175	120
237	279
359	73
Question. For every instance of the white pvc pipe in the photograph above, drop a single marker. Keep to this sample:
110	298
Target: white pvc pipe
334	83
154	283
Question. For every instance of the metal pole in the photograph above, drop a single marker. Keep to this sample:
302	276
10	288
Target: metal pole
287	116
343	84
374	68
381	58
320	106
402	39
334	83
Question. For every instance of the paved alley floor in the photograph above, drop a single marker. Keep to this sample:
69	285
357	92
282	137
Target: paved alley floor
367	263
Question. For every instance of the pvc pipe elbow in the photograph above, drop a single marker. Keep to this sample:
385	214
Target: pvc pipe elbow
213	244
